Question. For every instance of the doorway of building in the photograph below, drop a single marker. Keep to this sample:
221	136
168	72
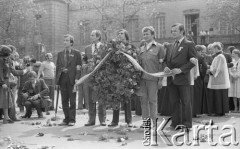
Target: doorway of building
192	26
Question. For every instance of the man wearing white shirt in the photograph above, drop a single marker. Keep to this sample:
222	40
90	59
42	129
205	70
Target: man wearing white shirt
94	53
48	69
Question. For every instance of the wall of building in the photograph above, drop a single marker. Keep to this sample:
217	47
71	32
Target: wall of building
173	9
53	24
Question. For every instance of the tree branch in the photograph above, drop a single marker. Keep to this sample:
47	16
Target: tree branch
237	29
10	19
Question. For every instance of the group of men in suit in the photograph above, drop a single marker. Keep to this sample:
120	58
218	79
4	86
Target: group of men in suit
176	61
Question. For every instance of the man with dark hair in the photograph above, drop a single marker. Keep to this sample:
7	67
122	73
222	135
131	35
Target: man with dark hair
94	52
180	26
178	62
231	48
68	71
34	90
126	35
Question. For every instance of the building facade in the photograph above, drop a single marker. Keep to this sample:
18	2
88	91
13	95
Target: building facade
80	17
52	25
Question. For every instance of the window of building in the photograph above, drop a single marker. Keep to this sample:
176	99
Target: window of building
132	26
191	24
226	29
159	25
84	32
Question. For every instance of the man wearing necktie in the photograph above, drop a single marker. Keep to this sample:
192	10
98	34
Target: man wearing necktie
68	71
178	62
94	54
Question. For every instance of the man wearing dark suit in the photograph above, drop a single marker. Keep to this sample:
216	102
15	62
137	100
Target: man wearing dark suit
68	71
94	54
177	61
34	91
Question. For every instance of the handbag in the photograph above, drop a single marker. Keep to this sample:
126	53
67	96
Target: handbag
13	80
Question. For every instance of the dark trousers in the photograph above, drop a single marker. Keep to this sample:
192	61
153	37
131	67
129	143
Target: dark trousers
127	111
29	104
68	96
92	109
50	83
1	113
137	104
180	97
51	93
20	99
83	95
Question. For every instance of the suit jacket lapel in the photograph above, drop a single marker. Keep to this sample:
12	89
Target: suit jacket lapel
36	90
88	51
63	58
177	49
142	49
171	51
71	55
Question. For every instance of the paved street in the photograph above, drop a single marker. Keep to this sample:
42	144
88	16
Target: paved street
79	136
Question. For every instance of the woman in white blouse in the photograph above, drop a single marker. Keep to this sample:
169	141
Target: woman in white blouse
234	73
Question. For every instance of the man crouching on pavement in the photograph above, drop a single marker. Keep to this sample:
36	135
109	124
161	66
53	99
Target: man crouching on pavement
34	91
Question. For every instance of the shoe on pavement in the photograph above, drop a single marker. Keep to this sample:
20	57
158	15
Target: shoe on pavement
71	124
7	121
130	125
112	124
103	124
63	123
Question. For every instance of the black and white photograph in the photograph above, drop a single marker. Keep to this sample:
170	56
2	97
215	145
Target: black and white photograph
119	74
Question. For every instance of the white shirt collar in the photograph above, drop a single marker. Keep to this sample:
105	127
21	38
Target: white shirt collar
151	43
70	49
97	44
180	40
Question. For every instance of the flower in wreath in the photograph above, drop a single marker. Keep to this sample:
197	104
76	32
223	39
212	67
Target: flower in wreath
116	80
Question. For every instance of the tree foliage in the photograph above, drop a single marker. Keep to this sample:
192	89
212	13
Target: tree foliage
226	12
114	14
17	20
117	80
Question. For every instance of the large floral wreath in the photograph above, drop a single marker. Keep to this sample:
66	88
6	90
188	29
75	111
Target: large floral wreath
116	80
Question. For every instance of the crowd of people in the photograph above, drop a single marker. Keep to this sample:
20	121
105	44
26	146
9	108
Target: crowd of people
24	84
202	80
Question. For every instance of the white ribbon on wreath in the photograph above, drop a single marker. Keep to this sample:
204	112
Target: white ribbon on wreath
131	59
